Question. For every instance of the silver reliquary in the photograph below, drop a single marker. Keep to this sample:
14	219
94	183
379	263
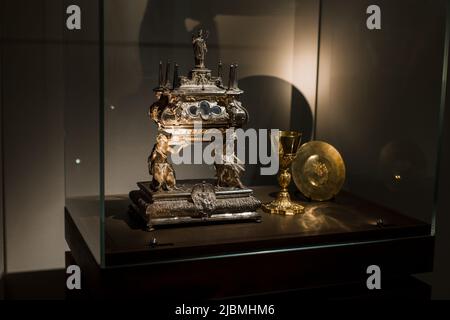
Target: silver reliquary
186	109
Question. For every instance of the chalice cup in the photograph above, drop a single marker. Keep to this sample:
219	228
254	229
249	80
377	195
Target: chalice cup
288	144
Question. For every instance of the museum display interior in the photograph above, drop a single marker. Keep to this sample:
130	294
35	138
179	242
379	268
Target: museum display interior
2	228
2	251
313	67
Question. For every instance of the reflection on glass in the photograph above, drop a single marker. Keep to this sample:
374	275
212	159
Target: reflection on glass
272	67
379	98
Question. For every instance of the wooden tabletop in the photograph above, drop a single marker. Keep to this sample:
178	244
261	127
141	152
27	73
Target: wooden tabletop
347	218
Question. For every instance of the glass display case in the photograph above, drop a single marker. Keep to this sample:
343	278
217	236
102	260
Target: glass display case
2	251
374	96
2	248
2	245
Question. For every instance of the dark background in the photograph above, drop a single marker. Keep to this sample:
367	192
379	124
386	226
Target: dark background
396	85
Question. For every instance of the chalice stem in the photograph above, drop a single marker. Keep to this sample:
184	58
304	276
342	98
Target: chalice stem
284	178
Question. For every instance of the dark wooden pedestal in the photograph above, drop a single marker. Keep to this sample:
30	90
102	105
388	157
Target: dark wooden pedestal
332	244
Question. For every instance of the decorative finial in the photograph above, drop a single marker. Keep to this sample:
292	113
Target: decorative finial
219	70
167	79
175	76
161	76
231	77
200	48
235	77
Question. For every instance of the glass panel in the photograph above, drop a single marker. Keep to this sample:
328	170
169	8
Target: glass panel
280	57
2	252
2	236
82	128
273	64
379	99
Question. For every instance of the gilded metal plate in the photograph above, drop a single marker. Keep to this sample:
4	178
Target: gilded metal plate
318	171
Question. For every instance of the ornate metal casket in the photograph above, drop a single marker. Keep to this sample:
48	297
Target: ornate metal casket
186	108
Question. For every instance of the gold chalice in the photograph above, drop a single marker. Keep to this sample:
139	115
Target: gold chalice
288	144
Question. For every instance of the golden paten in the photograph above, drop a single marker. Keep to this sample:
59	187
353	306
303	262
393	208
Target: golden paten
318	171
288	143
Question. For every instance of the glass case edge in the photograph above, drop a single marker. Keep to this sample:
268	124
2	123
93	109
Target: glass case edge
443	100
101	7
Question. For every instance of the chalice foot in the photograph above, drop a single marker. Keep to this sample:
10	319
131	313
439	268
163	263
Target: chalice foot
283	205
